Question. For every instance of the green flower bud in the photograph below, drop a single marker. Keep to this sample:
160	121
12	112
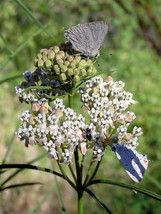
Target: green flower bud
57	69
36	62
83	72
32	120
76	78
89	63
82	64
76	71
58	56
70	72
44	58
59	61
56	49
63	68
51	54
78	58
89	71
73	64
61	53
69	58
43	50
63	76
39	56
66	63
40	63
48	63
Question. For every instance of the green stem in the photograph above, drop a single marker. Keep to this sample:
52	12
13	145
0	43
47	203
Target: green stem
71	170
88	173
94	173
79	182
65	176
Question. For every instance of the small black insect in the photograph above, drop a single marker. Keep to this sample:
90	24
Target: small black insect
88	134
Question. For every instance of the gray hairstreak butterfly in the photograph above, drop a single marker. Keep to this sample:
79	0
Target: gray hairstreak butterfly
134	163
87	38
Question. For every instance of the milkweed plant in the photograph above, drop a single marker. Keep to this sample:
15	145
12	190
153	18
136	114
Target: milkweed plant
66	135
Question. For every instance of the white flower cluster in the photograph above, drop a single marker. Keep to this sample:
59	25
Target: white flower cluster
106	103
60	131
55	128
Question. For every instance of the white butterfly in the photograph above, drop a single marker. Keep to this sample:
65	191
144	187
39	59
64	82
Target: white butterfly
134	163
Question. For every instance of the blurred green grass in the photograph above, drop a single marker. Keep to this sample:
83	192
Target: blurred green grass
135	62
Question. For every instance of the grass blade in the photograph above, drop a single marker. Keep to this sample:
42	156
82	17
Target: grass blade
128	186
5	42
20	48
28	12
37	207
11	78
98	201
60	197
19	185
9	147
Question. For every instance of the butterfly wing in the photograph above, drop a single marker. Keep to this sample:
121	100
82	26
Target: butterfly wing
80	37
134	163
99	31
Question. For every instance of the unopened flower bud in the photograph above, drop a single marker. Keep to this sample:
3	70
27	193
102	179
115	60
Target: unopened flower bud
32	120
128	137
82	64
70	71
51	54
78	58
59	61
63	76
61	53
66	63
95	90
89	71
69	58
76	71
63	68
83	72
48	63
56	49
76	78
40	63
59	113
44	110
109	79
39	56
35	107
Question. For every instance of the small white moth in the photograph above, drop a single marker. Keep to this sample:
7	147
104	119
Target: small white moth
134	163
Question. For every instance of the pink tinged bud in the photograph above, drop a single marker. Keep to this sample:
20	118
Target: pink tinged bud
54	129
35	107
42	141
32	141
134	101
32	120
128	137
128	117
112	125
59	113
104	134
53	154
109	79
95	90
44	110
84	108
45	104
76	78
60	141
121	120
83	148
56	49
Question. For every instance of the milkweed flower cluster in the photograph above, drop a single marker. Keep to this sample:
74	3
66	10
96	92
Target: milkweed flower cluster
60	130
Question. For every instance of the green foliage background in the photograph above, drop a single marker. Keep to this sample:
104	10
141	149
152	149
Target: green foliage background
134	60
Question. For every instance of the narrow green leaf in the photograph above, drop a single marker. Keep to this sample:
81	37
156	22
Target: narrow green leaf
154	181
128	186
37	207
11	78
28	12
5	42
19	170
26	166
60	197
19	185
20	48
98	201
9	147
